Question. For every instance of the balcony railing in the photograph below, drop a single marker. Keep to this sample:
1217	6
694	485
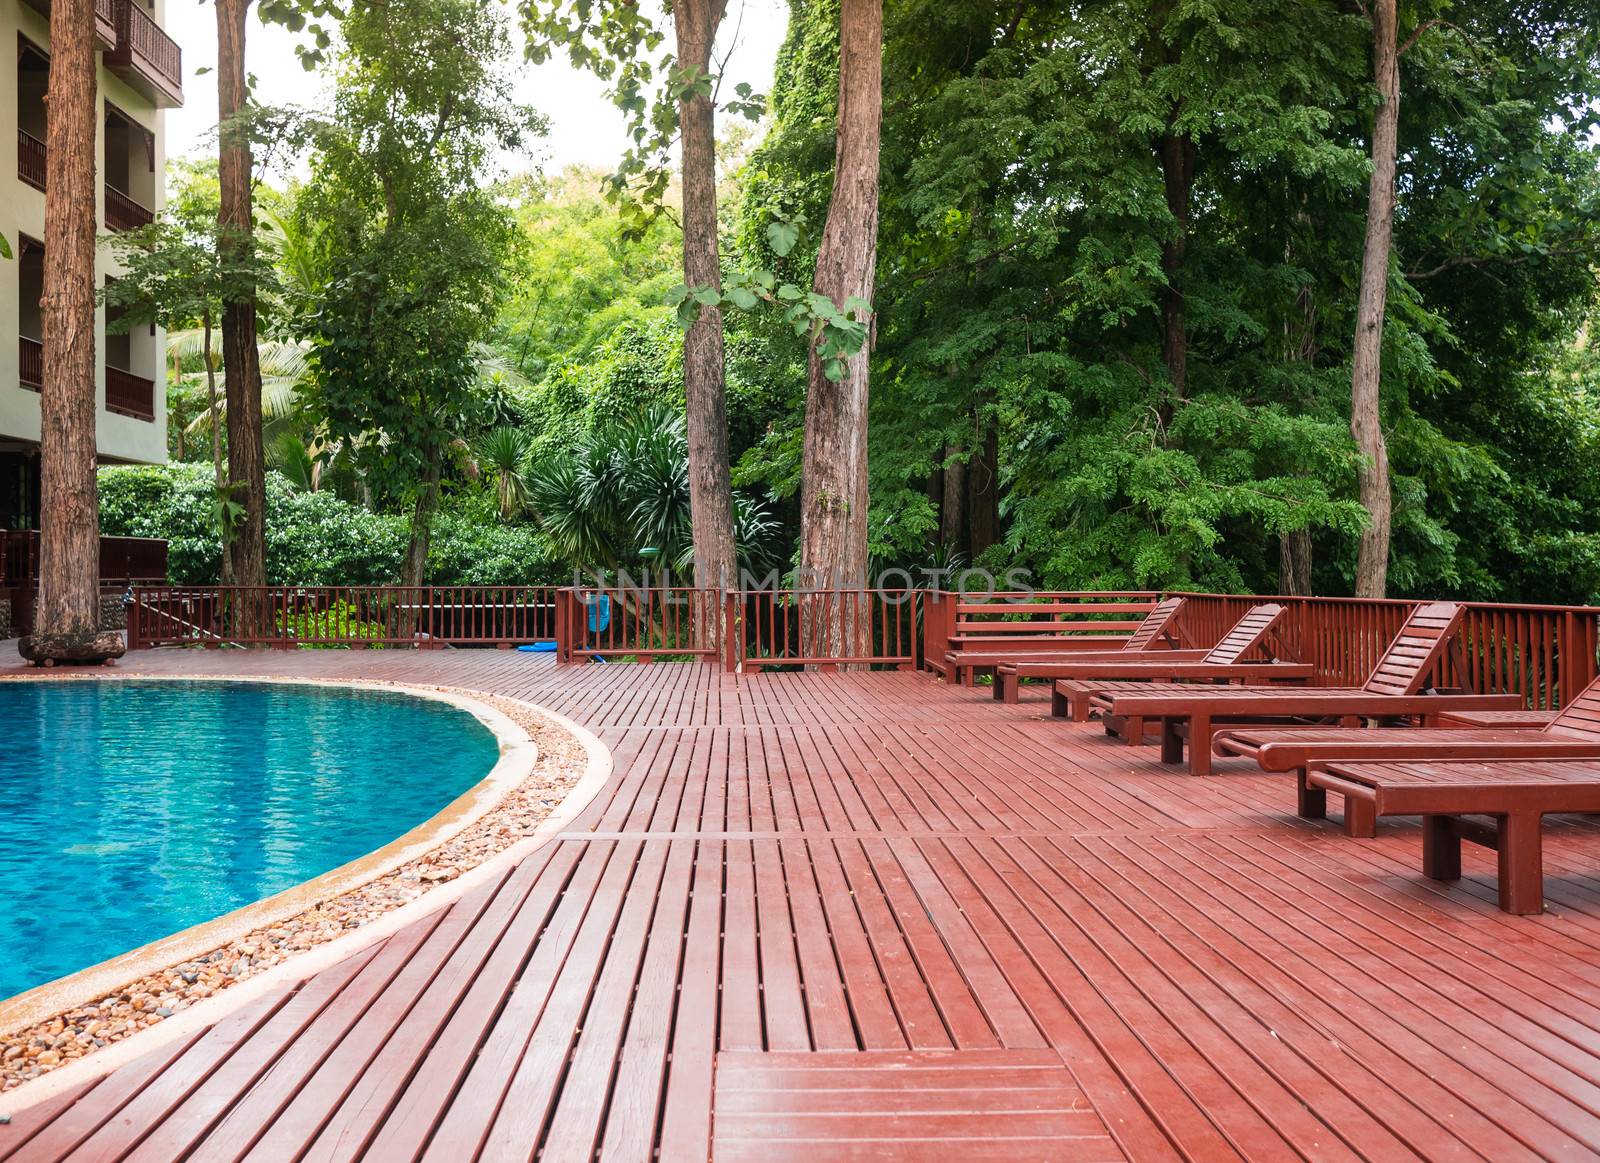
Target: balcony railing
105	19
123	213
30	362
130	395
145	56
30	159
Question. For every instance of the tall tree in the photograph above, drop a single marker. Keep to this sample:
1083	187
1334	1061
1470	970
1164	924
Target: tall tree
247	464
413	243
613	39
833	491
705	392
1366	369
67	614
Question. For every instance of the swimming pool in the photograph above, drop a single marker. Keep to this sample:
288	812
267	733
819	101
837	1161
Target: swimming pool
131	810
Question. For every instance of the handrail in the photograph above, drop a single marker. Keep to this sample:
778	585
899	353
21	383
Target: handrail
30	362
123	213
129	394
31	159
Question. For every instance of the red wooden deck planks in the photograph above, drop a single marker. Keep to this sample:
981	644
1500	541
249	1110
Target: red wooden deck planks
793	879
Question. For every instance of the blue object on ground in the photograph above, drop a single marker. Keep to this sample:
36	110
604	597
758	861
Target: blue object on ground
538	648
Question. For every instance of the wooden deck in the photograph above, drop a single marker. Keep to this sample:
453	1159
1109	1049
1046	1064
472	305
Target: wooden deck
850	917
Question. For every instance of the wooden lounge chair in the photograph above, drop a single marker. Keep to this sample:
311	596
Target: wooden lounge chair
1219	664
1155	633
1392	691
1573	733
1516	796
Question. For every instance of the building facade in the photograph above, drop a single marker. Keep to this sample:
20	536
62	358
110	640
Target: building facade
140	75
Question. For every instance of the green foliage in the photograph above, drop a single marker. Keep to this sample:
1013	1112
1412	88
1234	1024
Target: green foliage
409	261
338	621
1026	250
312	538
502	454
582	280
173	273
619	42
619	499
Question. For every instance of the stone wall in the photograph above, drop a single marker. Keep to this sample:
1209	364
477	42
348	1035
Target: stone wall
113	614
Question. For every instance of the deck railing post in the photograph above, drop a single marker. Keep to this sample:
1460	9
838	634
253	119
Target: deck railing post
938	627
732	647
132	618
564	608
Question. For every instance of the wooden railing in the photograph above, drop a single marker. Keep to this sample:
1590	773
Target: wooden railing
123	213
30	362
123	560
637	622
30	159
130	395
1545	653
823	628
342	616
143	48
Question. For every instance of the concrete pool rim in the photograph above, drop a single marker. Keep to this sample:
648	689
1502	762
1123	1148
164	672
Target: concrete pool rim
518	755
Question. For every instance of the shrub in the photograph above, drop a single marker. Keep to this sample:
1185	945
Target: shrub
474	548
318	539
312	538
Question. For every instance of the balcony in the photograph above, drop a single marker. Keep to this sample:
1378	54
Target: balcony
105	19
30	363
130	395
145	56
30	159
123	213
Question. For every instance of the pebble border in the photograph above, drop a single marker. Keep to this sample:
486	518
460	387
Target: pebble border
561	761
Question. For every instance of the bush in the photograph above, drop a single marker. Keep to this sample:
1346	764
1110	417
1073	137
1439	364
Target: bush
317	539
475	549
312	538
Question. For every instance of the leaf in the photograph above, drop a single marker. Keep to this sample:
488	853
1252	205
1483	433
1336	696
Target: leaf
743	298
5	247
782	236
707	297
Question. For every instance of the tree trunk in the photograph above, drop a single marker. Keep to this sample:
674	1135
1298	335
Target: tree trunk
218	475
710	484
66	624
953	503
1372	557
415	570
983	492
236	245
833	494
1177	174
1294	562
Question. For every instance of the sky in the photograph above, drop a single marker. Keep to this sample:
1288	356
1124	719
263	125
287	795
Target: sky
585	129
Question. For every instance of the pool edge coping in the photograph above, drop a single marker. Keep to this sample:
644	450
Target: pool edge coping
53	998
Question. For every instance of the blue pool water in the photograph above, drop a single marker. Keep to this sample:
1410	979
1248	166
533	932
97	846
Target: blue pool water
131	810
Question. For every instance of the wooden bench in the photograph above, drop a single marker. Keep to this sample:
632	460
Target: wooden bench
1222	663
1515	796
1498	719
978	645
1573	733
1394	691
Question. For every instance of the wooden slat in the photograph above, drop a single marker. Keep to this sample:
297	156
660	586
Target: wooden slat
980	933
